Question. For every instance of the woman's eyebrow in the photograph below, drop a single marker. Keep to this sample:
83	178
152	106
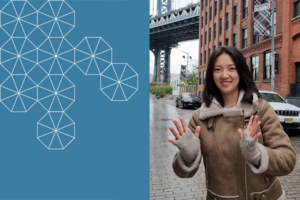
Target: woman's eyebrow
227	65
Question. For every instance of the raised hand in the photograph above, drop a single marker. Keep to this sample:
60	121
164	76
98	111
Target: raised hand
251	128
181	131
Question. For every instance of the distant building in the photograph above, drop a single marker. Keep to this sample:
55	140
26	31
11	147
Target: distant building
150	78
230	23
174	83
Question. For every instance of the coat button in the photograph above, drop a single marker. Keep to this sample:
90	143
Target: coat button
263	197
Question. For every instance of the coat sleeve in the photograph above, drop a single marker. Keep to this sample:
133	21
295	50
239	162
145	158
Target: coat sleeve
179	166
281	157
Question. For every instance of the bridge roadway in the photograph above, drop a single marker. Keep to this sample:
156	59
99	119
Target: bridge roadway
164	184
167	30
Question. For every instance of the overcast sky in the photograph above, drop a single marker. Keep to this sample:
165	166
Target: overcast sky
176	4
191	47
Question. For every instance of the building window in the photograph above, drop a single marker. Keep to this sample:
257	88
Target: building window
245	8
206	2
271	25
205	37
254	67
204	56
216	8
228	2
221	26
227	41
296	8
227	21
209	34
255	37
220	44
201	22
200	58
205	18
209	53
235	14
267	65
221	5
214	48
204	76
202	2
199	94
210	13
215	30
244	37
235	40
201	41
200	78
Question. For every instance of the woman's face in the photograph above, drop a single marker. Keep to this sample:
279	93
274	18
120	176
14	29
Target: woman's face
226	76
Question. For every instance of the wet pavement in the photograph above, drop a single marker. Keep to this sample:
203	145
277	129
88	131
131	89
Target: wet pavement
164	184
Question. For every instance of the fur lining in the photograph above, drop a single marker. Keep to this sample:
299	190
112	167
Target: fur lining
282	197
216	109
264	161
232	113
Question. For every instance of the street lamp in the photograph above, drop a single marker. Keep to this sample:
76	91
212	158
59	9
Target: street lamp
187	64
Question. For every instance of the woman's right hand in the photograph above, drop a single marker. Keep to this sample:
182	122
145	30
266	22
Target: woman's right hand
182	131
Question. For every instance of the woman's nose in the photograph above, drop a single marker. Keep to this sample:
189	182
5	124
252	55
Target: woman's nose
224	74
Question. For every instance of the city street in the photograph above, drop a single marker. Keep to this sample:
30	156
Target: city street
164	184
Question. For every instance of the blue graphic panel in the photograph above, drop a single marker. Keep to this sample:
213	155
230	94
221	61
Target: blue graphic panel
46	48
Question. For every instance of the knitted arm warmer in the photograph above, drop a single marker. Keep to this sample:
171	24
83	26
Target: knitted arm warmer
189	151
255	154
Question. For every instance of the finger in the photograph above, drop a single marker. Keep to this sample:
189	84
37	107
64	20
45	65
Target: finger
240	132
179	129
250	123
197	131
171	141
257	135
176	135
185	128
257	125
255	119
254	127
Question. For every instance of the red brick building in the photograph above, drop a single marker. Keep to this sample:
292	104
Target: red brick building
230	22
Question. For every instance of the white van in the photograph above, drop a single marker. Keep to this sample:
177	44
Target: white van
289	115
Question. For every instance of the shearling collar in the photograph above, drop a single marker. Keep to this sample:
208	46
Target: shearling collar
216	109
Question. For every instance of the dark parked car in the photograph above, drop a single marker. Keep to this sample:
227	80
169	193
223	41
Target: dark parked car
185	100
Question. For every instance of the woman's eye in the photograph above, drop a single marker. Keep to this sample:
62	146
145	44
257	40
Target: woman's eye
217	69
232	68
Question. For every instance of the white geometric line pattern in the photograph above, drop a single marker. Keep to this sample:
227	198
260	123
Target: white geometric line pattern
36	56
93	55
119	82
56	130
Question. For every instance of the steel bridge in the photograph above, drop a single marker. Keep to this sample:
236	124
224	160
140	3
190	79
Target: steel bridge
167	29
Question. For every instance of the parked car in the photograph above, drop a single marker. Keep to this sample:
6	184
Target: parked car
185	100
289	115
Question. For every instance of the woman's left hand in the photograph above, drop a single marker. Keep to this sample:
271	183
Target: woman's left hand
251	129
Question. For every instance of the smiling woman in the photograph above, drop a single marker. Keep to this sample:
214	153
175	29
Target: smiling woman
238	134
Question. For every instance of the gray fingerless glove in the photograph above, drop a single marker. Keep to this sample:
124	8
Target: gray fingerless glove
189	147
250	150
255	154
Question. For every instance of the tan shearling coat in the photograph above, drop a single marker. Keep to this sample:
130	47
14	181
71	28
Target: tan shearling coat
228	175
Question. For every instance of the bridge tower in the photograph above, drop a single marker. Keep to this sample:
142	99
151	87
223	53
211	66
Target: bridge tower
162	54
163	6
162	57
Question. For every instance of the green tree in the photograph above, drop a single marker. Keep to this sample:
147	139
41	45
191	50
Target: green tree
193	75
192	79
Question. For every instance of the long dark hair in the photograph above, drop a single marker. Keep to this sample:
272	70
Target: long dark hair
246	81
